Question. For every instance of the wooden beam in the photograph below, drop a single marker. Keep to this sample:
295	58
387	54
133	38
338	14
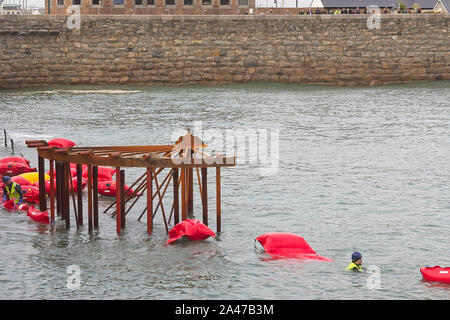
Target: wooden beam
66	201
80	193
95	194
122	197
42	194
135	162
52	190
149	200
118	204
90	196
204	193
183	195
218	205
58	189
176	200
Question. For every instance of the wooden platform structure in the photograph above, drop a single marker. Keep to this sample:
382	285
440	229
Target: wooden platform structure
180	160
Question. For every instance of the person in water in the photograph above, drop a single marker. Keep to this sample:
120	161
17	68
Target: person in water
11	190
356	263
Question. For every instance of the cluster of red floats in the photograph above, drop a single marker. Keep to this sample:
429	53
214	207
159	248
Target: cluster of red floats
20	171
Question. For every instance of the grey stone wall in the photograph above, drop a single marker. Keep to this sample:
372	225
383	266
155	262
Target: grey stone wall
321	49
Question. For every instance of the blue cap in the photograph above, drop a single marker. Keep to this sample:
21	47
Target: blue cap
356	255
6	178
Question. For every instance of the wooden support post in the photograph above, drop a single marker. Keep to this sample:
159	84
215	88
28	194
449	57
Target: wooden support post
122	197
176	200
89	174
42	195
205	195
71	189
95	194
218	209
80	193
118	203
52	190
66	172
183	195
58	188
190	198
149	200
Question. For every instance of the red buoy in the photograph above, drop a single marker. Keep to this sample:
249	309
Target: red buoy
15	159
104	173
288	245
108	189
436	273
11	205
38	216
190	228
61	143
14	168
31	194
21	181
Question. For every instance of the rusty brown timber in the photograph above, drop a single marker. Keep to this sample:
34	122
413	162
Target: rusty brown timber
145	49
184	154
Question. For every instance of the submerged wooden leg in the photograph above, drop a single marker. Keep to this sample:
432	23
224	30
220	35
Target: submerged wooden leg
176	200
52	190
118	203
205	195
89	174
80	193
42	194
218	208
95	194
149	200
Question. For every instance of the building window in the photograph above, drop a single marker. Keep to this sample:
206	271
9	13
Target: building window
96	2
207	2
119	2
150	2
188	2
170	2
224	2
60	2
243	2
76	2
138	2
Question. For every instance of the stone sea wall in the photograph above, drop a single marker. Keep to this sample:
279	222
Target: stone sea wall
145	49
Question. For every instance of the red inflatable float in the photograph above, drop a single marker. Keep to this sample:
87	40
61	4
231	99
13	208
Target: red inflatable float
14	168
15	159
108	189
436	273
191	229
21	181
104	173
61	143
288	245
38	216
31	194
12	206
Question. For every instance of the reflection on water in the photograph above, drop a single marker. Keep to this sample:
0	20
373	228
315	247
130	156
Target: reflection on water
360	169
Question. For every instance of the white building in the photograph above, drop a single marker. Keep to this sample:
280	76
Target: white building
442	6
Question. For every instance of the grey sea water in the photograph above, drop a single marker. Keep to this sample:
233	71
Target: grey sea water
363	169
